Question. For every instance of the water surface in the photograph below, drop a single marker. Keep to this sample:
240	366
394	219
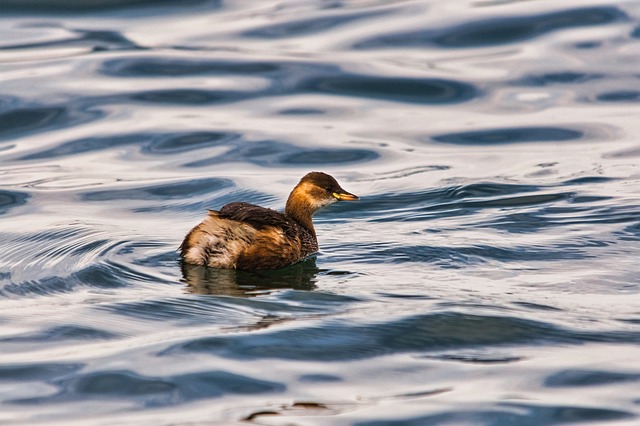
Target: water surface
488	276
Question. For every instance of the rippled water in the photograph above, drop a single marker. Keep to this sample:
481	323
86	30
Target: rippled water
488	276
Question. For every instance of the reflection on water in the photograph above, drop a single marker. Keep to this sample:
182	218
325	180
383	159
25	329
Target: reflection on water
488	276
226	282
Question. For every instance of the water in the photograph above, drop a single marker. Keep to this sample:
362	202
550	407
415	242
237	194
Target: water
488	276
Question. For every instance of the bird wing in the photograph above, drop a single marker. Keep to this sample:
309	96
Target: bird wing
256	216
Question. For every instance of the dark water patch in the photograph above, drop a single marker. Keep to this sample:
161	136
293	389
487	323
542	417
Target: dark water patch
564	77
483	359
405	296
11	199
235	310
178	143
441	207
624	153
153	143
460	200
339	341
486	189
396	89
62	333
97	40
166	191
28	120
561	217
302	111
586	180
208	201
186	311
44	286
317	299
179	67
587	45
38	7
302	27
202	280
510	135
620	96
188	96
90	144
285	78
498	31
437	198
461	257
319	378
330	156
36	372
105	276
277	154
166	259
110	274
509	414
524	200
579	378
631	232
537	306
150	391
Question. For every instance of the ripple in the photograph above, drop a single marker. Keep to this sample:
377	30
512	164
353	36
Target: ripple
561	77
185	142
275	154
153	143
12	199
510	135
571	378
301	27
458	257
330	156
455	200
188	96
339	341
96	40
62	333
202	280
78	6
510	414
552	217
23	120
27	120
64	258
287	78
409	90
620	96
497	31
36	372
166	191
149	391
178	67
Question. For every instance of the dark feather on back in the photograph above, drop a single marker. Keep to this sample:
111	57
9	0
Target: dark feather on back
256	216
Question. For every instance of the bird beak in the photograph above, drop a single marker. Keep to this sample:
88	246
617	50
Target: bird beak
345	196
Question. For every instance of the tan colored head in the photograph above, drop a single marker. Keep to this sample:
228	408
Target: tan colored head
314	191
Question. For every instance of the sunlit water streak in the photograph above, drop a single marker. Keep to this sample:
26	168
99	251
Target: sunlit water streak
487	276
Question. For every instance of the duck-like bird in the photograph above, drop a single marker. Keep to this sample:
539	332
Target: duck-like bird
249	237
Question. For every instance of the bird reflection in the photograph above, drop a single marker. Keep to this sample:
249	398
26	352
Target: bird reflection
231	282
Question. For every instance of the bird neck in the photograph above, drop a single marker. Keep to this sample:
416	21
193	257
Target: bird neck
301	209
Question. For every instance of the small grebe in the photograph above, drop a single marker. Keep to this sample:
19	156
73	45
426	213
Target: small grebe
246	236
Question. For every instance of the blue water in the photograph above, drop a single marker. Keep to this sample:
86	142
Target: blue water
488	276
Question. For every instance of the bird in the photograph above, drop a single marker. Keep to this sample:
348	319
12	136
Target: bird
245	236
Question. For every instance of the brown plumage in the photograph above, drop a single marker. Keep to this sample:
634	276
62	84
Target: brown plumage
246	236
